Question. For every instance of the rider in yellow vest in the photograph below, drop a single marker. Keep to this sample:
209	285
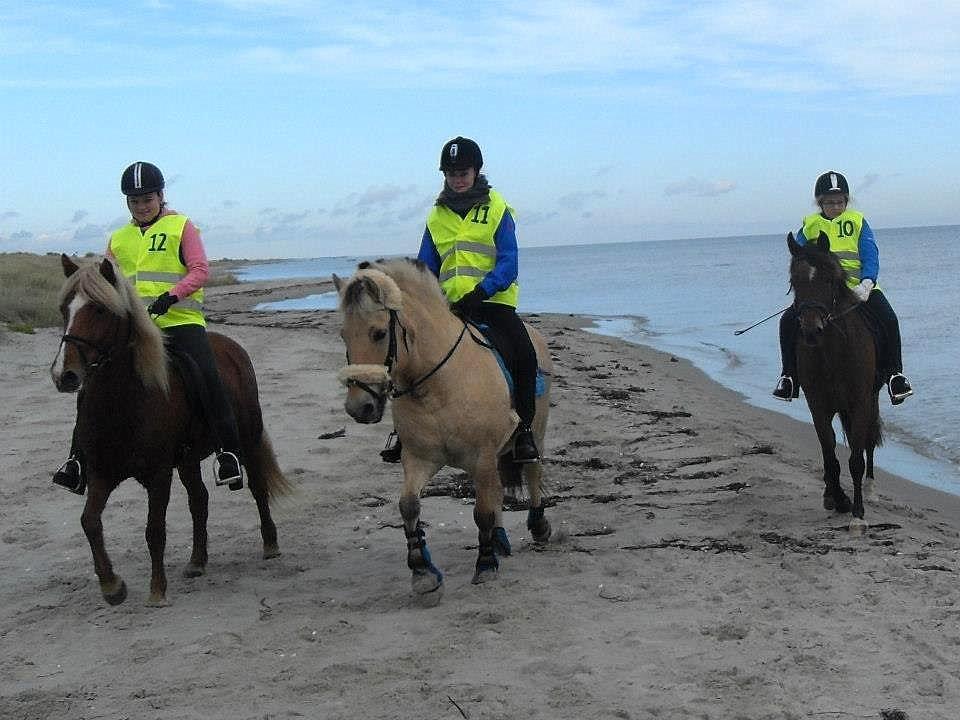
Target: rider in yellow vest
852	241
470	244
161	253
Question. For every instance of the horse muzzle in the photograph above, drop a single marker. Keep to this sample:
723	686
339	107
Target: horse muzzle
367	389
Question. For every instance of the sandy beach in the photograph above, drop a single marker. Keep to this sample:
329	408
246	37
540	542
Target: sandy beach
692	572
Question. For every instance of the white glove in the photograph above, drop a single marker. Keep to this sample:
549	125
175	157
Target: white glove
862	291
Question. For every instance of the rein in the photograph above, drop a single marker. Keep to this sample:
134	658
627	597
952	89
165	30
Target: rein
104	355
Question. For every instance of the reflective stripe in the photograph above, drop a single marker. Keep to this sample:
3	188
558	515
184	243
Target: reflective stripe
848	255
476	247
463	271
164	277
185	304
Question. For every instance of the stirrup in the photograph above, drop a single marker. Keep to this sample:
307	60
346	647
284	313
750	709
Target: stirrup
785	389
531	453
227	470
905	392
392	449
70	476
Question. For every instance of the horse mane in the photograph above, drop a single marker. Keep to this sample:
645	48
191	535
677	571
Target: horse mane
394	279
146	339
821	261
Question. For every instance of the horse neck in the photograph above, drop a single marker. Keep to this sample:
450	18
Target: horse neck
114	393
435	331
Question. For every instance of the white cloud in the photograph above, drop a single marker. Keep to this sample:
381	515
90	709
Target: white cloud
700	188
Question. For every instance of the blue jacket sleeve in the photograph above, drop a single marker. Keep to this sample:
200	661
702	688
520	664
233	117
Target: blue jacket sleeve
800	237
869	254
506	268
428	253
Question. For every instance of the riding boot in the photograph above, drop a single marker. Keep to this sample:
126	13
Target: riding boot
787	386
524	446
391	451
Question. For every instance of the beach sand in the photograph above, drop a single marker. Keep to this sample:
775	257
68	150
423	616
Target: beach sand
692	573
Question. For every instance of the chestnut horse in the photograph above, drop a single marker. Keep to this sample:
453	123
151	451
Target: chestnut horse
451	403
134	419
836	367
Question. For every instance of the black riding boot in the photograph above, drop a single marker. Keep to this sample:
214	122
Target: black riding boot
391	451
891	361
71	474
787	386
524	446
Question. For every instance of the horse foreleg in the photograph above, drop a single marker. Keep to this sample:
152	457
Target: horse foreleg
158	497
112	587
856	464
537	524
489	502
834	498
199	500
426	577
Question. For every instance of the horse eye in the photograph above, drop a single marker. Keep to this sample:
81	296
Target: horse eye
376	334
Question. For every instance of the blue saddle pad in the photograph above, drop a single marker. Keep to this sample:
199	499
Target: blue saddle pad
540	388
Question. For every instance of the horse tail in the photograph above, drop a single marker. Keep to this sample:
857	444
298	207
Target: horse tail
877	434
261	462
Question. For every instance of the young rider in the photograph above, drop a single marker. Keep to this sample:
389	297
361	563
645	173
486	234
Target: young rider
851	239
161	251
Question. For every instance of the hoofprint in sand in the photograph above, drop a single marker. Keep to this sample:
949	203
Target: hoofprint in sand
692	574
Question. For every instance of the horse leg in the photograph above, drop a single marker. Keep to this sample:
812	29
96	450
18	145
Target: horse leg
112	586
489	501
158	497
537	524
426	577
263	474
856	464
834	498
198	499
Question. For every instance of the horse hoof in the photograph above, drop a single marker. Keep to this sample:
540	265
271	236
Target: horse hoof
425	582
157	601
116	594
484	575
541	532
271	551
192	570
858	526
843	504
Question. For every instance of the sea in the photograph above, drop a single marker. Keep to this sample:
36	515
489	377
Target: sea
688	297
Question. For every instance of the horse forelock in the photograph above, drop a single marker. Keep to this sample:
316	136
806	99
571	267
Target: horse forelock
150	356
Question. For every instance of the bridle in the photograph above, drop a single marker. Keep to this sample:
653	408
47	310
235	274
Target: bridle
389	388
828	314
104	353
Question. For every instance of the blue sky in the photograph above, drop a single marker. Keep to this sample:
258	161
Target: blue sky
295	128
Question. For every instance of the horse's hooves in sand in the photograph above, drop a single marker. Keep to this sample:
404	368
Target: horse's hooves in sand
541	531
157	601
271	551
426	582
485	575
115	595
192	570
858	526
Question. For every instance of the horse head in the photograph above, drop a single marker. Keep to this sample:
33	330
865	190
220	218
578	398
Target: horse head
102	318
369	302
818	282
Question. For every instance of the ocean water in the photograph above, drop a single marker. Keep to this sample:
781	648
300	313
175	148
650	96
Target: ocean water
688	296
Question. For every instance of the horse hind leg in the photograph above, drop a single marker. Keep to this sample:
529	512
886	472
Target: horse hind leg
198	499
488	504
266	481
537	523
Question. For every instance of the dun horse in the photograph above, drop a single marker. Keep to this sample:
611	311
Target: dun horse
451	403
836	367
134	419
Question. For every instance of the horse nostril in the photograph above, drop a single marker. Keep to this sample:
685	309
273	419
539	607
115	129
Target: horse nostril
69	381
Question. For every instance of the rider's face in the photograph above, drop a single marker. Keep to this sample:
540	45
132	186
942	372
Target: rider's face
460	180
833	205
145	208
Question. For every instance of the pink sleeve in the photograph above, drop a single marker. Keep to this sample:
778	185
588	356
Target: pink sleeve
195	258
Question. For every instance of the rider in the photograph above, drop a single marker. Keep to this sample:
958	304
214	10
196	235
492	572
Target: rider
162	253
851	239
470	244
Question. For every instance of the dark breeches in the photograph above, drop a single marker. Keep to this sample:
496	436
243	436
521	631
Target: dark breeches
880	314
509	331
192	340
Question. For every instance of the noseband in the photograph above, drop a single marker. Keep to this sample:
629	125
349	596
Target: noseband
388	388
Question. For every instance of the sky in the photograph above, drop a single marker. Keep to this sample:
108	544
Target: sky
305	128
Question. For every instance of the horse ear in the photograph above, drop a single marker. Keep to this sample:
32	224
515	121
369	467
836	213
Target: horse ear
69	266
823	242
337	282
106	269
792	244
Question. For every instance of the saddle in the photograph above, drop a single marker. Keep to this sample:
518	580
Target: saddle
505	353
194	385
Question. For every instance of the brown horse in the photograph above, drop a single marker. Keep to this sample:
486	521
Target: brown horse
836	367
134	419
451	403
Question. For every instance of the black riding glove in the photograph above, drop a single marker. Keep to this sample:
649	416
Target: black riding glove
162	304
469	305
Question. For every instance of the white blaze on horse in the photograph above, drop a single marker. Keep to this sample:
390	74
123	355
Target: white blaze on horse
451	403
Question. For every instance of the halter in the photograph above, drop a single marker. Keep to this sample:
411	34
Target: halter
388	387
104	354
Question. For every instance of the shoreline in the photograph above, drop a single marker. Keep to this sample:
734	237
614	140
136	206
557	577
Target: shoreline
692	571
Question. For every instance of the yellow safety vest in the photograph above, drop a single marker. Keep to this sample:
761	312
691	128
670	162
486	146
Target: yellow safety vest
844	234
151	261
466	248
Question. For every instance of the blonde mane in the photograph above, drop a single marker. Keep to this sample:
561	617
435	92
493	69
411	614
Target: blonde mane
150	355
394	279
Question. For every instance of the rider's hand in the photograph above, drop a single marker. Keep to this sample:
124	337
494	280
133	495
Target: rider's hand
162	304
862	291
469	305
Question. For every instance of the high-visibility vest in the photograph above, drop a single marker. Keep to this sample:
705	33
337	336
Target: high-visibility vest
844	234
151	261
467	249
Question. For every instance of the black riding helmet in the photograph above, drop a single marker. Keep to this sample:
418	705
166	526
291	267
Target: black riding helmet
830	183
141	178
459	154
